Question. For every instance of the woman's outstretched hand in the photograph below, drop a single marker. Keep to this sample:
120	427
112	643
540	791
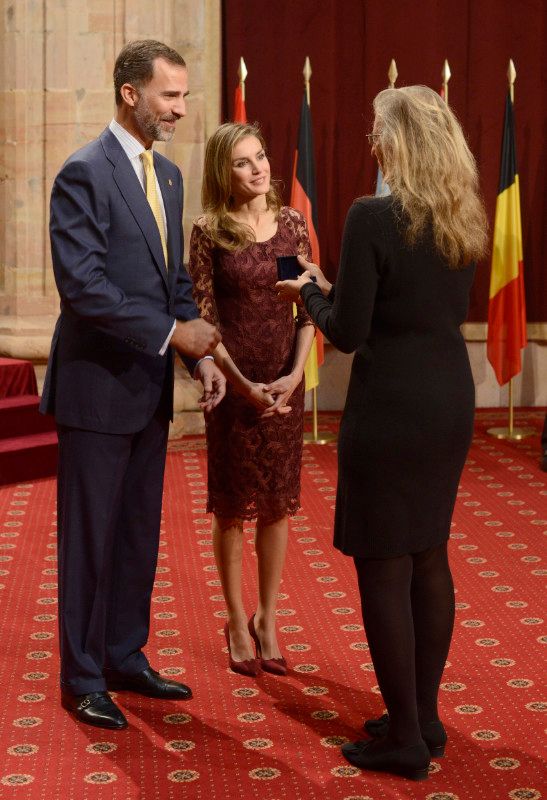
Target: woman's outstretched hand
290	290
316	274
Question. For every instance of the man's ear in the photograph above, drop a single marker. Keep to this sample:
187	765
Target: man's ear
129	94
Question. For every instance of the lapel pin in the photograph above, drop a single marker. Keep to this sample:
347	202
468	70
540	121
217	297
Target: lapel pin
170	182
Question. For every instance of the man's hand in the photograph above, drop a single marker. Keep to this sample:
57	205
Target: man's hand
214	384
195	338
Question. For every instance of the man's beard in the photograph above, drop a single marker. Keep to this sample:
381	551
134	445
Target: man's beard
149	125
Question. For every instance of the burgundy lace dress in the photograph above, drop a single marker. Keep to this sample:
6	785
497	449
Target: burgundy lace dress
253	463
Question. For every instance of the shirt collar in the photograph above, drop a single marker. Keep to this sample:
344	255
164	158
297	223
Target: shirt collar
131	146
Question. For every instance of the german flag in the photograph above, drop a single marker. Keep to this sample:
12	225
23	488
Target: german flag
507	307
304	199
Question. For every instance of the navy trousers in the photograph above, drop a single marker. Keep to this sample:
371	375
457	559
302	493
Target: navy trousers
109	510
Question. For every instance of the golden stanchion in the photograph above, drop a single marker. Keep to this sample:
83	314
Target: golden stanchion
316	436
511	433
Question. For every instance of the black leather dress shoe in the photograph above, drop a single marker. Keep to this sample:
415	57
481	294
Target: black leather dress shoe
95	708
149	683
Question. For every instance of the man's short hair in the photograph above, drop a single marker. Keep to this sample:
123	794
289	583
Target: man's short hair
135	63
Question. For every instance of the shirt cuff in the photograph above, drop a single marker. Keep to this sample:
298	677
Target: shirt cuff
205	358
165	345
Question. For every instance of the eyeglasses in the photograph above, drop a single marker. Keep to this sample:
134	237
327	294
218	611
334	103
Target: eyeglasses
373	138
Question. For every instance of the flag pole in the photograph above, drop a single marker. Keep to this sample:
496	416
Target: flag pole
242	75
512	433
326	436
392	73
446	75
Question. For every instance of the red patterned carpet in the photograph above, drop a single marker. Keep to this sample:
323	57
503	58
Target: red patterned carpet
272	737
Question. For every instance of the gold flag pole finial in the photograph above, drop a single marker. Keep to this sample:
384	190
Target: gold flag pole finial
446	75
306	72
392	73
242	75
511	77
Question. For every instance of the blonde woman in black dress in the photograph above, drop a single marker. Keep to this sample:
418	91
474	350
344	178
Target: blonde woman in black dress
406	269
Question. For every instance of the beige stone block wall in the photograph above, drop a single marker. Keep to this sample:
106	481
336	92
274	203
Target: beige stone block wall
56	60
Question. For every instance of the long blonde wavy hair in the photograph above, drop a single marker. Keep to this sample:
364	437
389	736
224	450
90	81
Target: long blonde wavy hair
216	189
431	171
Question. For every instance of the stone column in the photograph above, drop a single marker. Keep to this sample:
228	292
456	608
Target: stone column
55	95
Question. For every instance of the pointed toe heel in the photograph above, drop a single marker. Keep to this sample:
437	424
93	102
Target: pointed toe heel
250	667
275	666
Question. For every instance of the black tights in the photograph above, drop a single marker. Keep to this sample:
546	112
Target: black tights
408	612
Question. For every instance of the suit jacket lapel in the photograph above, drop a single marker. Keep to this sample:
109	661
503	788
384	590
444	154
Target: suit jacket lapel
134	196
172	214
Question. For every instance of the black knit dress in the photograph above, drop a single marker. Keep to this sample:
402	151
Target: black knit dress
408	419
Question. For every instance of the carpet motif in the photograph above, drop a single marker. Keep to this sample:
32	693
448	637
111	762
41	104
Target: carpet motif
279	737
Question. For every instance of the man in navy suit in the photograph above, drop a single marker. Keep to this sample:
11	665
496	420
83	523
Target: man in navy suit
126	306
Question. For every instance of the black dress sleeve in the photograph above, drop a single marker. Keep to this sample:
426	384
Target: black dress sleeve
345	316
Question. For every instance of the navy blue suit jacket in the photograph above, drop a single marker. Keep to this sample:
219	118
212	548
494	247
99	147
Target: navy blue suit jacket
118	300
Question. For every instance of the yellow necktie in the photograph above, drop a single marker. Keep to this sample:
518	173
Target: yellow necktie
152	196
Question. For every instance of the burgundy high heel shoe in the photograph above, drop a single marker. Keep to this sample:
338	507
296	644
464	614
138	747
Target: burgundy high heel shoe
275	666
249	667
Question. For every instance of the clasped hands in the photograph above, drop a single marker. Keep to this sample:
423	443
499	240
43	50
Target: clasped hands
272	398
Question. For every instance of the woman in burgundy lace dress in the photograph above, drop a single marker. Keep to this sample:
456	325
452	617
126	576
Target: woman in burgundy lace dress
254	437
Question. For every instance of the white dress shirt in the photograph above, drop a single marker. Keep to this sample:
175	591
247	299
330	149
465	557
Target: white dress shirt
133	149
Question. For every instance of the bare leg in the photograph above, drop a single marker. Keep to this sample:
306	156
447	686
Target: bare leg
271	546
228	549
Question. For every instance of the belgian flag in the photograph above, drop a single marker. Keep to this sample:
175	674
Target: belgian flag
507	307
304	199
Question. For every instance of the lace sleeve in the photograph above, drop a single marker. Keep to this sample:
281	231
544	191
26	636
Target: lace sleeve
201	272
303	248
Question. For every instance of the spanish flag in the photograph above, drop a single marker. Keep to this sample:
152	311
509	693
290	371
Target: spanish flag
240	113
507	307
304	199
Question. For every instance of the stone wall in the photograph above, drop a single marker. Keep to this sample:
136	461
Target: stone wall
55	95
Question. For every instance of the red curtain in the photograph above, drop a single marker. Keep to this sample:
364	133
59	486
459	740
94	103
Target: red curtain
350	45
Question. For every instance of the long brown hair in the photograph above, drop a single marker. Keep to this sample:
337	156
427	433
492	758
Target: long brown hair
216	189
431	171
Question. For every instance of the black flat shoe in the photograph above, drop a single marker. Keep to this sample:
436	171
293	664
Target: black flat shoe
378	755
95	708
149	683
433	733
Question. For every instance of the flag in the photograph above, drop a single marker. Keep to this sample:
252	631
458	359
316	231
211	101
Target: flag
240	113
506	305
304	199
